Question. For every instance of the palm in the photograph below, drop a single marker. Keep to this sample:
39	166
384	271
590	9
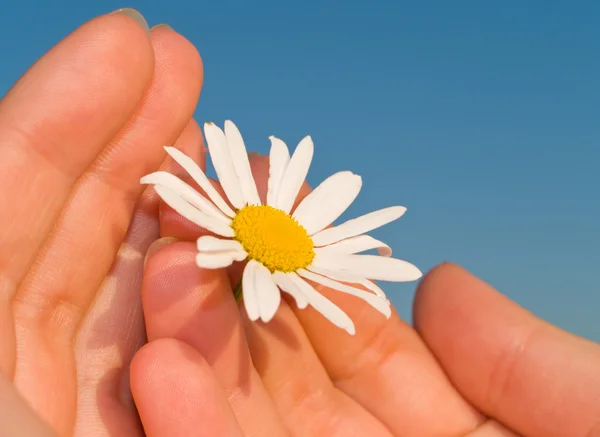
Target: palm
76	133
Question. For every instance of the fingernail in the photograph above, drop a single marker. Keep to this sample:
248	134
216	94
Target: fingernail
253	154
135	15
161	26
157	245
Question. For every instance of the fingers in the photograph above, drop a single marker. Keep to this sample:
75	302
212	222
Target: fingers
93	80
492	428
177	393
385	359
113	328
299	385
16	417
529	375
196	306
57	291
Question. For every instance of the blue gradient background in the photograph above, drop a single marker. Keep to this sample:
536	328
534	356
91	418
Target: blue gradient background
481	117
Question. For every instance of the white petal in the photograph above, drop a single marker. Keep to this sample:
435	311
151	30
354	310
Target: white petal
360	243
331	311
239	155
359	225
328	201
295	175
175	184
349	277
233	255
285	283
338	275
213	260
372	299
249	290
374	288
369	266
279	157
223	164
193	214
267	293
200	178
208	243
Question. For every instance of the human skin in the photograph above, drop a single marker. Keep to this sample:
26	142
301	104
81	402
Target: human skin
76	134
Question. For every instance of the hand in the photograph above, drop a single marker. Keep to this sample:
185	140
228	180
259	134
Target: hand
76	134
16	417
475	365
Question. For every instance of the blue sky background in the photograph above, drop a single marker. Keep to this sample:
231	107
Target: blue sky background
481	117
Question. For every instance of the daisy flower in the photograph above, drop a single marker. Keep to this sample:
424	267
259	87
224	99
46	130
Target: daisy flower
284	247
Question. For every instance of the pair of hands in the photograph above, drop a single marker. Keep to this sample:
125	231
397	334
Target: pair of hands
76	134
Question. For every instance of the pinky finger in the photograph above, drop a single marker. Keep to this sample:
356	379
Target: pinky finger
177	394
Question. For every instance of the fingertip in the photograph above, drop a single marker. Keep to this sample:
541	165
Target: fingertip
170	38
125	27
167	252
135	15
162	358
449	289
140	367
157	245
181	299
437	286
168	372
171	275
453	304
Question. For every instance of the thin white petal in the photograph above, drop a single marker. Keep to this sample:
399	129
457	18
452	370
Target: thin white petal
193	214
208	243
239	155
213	260
372	299
267	293
249	290
279	157
360	243
234	255
358	226
328	201
374	288
349	277
175	184
338	275
295	175
370	266
200	178
223	164
331	311
285	283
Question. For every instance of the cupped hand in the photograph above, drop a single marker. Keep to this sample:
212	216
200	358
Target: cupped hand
76	134
475	364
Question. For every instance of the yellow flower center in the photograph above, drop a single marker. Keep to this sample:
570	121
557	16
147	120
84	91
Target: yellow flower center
273	238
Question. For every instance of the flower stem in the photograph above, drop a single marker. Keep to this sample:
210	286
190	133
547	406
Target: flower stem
237	291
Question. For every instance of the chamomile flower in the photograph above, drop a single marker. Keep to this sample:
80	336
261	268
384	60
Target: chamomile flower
285	247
